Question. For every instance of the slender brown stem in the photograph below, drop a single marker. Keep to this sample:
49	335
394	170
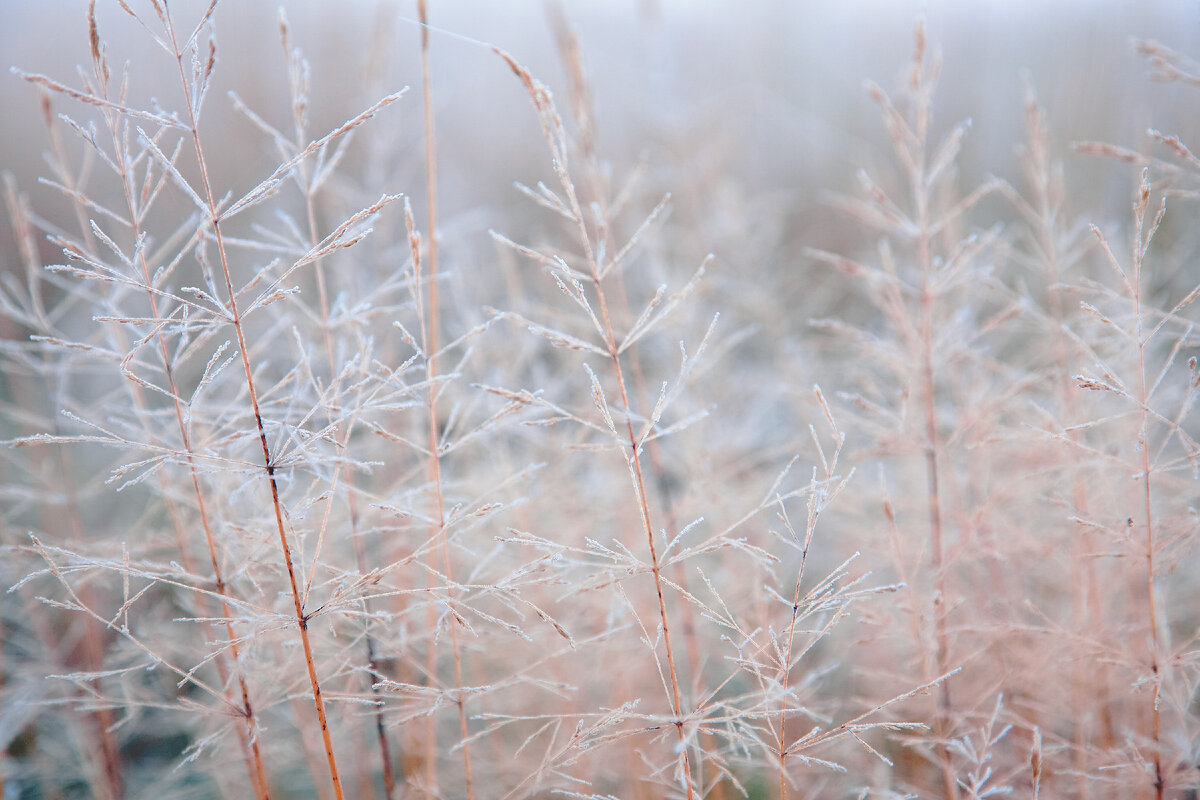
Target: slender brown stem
109	753
941	638
781	739
552	123
431	334
640	484
1147	495
1083	571
690	640
929	402
106	752
584	114
113	783
431	194
268	463
343	431
1152	612
246	733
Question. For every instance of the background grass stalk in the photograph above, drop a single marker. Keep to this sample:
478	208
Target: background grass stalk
431	343
1141	245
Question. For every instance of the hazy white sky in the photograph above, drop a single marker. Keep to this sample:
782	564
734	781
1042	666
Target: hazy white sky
767	75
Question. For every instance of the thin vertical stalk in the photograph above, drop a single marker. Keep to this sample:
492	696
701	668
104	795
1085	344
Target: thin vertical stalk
635	459
1133	288
108	752
1151	606
552	130
929	402
1044	214
431	331
1083	571
921	197
583	112
113	771
1140	246
816	504
781	739
301	616
342	430
644	507
246	732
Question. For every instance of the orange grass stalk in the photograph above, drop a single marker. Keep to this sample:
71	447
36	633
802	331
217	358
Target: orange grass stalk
1054	246
430	329
1133	284
920	84
111	780
552	129
247	732
301	616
